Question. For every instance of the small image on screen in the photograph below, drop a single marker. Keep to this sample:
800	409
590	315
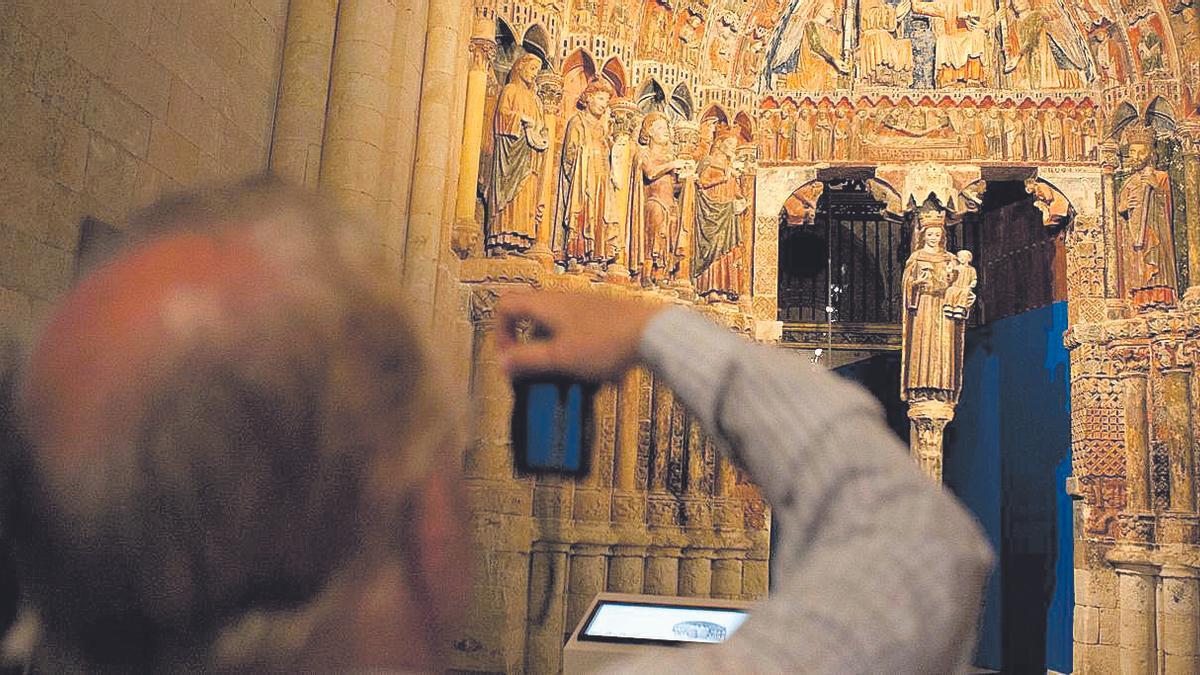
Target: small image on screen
618	622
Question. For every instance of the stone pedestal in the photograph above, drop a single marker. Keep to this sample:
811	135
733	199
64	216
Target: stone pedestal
929	420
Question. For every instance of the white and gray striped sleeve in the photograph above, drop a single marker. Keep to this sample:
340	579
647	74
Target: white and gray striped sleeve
879	569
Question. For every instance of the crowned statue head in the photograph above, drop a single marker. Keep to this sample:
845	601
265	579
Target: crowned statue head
1140	152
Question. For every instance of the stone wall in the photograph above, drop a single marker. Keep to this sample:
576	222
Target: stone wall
105	104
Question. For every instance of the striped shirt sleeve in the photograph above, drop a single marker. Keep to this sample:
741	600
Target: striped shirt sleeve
879	569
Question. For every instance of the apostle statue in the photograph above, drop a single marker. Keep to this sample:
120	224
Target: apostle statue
933	326
656	229
815	39
720	208
883	58
961	50
585	233
1042	49
1146	210
519	145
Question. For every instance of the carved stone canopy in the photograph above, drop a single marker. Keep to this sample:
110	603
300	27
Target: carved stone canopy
904	189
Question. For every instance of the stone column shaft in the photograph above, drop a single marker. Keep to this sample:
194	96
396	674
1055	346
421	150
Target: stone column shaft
547	585
1138	625
1108	186
629	395
433	181
1190	137
304	91
1177	437
695	574
1137	445
727	577
662	572
587	579
483	52
358	100
491	455
1180	614
627	569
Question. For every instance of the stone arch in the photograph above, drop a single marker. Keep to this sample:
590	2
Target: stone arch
1160	115
1124	115
651	97
745	126
537	41
681	102
614	72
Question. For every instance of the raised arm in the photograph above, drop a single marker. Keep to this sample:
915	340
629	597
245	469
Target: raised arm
880	570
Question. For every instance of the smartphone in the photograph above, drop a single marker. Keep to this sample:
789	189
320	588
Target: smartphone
552	426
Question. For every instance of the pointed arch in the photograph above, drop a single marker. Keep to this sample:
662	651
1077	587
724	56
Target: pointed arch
1123	116
745	126
614	72
537	41
681	102
715	112
1160	115
578	70
651	97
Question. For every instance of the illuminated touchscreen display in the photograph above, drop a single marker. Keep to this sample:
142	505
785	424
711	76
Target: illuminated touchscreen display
643	622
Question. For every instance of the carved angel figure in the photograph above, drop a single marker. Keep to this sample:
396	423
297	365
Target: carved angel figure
1042	49
814	38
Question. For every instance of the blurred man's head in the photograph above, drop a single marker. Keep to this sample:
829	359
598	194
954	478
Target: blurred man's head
237	452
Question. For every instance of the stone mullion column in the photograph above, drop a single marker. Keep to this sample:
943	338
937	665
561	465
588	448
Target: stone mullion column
626	465
547	608
483	52
929	420
1179	615
1138	592
1189	136
304	91
550	91
1109	162
358	101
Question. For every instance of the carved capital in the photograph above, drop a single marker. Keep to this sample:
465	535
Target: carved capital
1170	355
464	238
483	52
1110	156
483	306
1130	359
1188	133
550	91
687	138
626	118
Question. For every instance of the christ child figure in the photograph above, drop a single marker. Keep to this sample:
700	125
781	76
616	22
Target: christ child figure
960	297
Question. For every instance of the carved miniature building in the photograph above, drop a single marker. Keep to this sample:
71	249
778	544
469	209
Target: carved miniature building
667	147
